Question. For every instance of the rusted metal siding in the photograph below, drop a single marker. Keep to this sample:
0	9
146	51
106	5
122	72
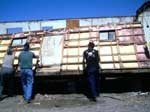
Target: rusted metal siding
61	51
72	24
126	52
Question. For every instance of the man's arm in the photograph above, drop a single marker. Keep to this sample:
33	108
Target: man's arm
98	59
84	60
35	56
97	55
19	59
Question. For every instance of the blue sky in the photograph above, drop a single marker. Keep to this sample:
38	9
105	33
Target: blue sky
18	10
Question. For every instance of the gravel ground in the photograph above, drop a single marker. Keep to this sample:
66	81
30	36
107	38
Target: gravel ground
122	102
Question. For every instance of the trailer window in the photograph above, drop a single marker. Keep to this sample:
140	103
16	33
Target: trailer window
14	30
107	35
19	41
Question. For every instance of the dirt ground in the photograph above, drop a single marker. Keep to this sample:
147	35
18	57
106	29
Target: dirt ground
107	102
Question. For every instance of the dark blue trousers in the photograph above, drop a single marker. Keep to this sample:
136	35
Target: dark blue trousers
27	83
93	79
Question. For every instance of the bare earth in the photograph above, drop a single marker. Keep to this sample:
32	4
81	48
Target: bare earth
112	102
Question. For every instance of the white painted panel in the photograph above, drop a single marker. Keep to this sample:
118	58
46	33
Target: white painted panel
34	26
2	29
4	26
55	23
51	50
146	23
144	18
104	21
85	22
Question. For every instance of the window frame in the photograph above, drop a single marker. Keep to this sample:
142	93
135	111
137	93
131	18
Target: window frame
22	43
108	38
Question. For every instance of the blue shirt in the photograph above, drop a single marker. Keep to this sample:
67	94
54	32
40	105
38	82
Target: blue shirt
25	59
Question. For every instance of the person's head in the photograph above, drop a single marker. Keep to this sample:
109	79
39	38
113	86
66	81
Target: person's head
9	51
26	46
91	45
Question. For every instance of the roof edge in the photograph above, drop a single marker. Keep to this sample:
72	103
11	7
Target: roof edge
38	20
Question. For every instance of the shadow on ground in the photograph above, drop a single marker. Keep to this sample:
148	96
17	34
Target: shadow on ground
67	85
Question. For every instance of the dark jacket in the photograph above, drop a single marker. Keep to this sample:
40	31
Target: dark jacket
91	59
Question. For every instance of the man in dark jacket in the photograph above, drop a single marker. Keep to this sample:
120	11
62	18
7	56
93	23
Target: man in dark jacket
91	67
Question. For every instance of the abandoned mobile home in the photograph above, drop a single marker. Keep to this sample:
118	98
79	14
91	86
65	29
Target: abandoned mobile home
122	42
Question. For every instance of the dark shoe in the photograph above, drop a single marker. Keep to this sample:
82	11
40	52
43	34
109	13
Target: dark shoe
2	97
10	95
93	99
28	101
98	95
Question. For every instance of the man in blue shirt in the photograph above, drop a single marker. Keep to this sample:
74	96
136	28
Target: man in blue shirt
25	62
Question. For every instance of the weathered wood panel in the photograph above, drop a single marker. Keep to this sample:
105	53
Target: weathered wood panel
81	50
73	36
128	58
7	42
124	32
71	51
105	50
140	48
32	46
16	61
107	66
2	54
84	35
70	60
1	61
127	49
130	65
141	57
3	48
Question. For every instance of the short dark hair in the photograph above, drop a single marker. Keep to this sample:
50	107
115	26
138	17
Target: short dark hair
26	46
9	51
91	44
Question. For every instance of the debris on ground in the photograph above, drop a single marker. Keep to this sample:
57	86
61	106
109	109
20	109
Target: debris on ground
107	102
